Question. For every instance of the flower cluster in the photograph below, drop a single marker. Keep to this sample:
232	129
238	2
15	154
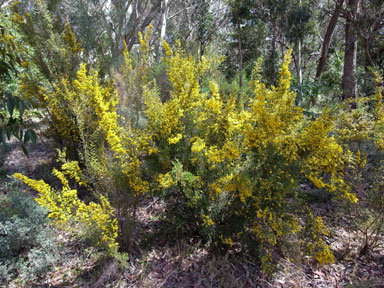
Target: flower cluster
67	211
246	159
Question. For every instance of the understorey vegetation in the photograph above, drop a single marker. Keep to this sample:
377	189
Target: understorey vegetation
254	161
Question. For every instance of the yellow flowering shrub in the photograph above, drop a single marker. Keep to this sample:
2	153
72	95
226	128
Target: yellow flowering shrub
314	234
99	126
239	165
55	57
95	221
126	142
379	113
363	124
229	169
361	130
133	79
228	166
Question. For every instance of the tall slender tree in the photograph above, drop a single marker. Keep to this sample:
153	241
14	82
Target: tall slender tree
350	54
328	37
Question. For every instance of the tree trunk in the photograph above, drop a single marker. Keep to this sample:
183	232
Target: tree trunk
144	19
368	57
240	53
163	26
328	38
202	50
299	59
350	56
164	7
299	63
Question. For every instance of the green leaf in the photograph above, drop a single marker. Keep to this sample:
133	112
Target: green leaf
26	137
11	102
21	108
188	177
32	134
11	121
24	150
16	133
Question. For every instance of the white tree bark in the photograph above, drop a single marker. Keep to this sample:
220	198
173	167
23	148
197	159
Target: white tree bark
164	8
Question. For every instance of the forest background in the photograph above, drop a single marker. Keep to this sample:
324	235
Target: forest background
255	128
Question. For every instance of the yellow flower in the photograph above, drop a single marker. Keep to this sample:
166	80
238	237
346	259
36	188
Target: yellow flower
207	221
198	145
65	209
175	139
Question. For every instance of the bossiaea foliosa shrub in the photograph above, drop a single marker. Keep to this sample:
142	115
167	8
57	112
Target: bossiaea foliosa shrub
226	170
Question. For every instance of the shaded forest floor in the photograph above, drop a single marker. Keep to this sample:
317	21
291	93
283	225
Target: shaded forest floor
165	261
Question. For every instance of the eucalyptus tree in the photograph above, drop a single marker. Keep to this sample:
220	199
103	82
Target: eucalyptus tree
370	27
362	23
204	23
299	18
350	52
328	37
246	18
103	25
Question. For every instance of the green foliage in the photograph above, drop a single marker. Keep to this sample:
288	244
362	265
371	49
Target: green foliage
53	55
28	246
298	22
14	125
204	22
361	130
252	33
93	221
53	49
12	107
